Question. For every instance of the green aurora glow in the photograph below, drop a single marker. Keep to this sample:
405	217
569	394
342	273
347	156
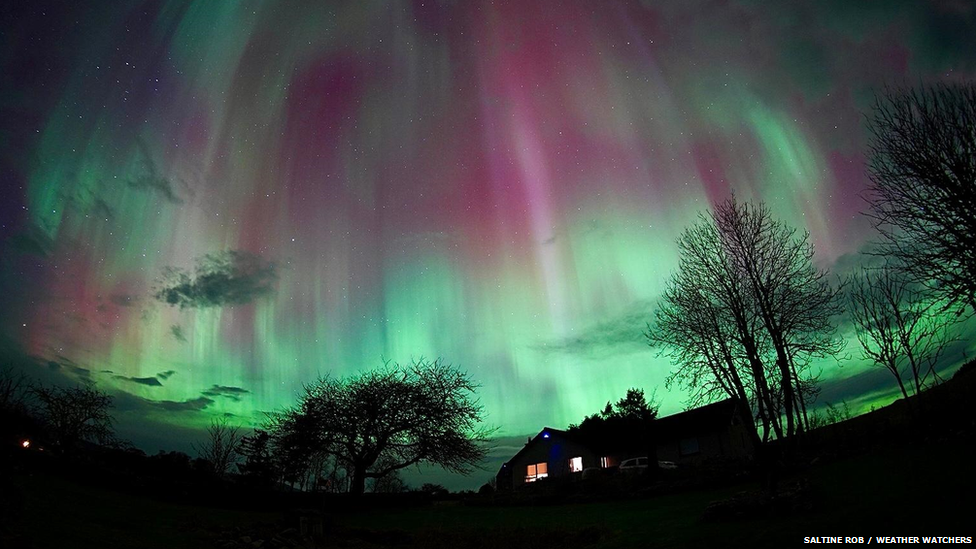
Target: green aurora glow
496	183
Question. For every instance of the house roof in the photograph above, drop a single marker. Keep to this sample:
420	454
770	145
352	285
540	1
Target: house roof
710	417
545	433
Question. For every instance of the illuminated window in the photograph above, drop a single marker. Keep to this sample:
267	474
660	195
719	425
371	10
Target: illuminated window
575	464
606	462
536	471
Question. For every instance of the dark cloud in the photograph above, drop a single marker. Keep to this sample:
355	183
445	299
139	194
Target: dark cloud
875	382
228	392
32	240
232	277
69	367
621	334
102	210
128	402
65	360
165	375
148	381
150	180
867	382
177	332
191	405
154	183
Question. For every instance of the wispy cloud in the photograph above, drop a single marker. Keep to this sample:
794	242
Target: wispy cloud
623	333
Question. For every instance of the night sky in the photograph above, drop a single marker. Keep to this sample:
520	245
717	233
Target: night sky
205	205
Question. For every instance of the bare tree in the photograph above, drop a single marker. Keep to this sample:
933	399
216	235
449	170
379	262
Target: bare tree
382	421
923	192
745	313
794	300
705	326
14	389
221	446
75	414
16	421
897	327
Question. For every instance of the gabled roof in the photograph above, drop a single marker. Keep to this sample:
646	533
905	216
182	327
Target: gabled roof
545	433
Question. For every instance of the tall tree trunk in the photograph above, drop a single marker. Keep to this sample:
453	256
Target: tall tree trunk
758	375
786	385
358	485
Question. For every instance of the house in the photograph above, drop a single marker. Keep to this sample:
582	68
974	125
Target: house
711	433
551	453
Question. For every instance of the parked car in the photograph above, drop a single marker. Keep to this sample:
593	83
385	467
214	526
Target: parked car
640	464
634	465
592	472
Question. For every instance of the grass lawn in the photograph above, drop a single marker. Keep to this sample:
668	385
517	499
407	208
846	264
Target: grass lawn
75	516
915	490
868	495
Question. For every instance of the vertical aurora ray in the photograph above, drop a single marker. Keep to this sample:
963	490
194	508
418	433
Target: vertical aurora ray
496	183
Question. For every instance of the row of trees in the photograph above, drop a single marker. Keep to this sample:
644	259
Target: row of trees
61	418
342	432
747	310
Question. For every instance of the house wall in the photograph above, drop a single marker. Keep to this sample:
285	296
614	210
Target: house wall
555	451
729	443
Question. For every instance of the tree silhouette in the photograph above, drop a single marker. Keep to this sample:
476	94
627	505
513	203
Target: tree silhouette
221	445
297	447
793	299
745	313
923	192
258	465
75	414
634	407
896	326
625	425
14	389
16	421
385	420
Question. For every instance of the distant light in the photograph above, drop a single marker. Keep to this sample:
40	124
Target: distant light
25	444
545	435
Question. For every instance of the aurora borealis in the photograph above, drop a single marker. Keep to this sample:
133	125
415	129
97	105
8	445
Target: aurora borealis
207	204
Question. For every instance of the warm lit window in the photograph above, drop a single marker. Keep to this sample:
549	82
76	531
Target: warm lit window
536	471
606	462
575	464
